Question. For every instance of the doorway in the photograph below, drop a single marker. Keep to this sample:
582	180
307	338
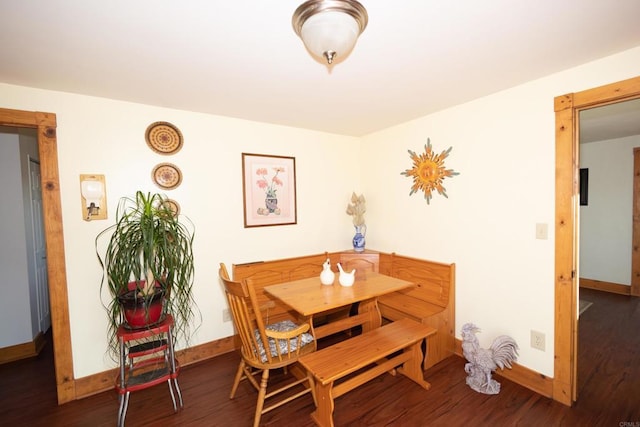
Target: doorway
45	125
608	135
567	107
25	303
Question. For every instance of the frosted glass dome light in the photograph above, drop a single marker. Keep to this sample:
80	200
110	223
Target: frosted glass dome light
330	28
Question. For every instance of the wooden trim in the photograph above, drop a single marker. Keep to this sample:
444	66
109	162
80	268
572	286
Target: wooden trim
104	381
567	108
39	342
635	233
565	263
56	270
22	351
599	285
19	118
521	375
607	94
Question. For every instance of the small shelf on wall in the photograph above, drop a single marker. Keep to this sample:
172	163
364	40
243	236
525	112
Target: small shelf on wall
93	196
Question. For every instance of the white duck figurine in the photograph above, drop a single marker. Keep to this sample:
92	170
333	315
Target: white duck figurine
326	275
346	279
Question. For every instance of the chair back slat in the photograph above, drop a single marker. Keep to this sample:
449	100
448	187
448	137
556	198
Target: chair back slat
248	321
244	316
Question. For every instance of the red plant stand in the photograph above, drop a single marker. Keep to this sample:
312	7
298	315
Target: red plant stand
147	358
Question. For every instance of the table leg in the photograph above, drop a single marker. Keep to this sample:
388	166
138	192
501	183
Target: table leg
323	415
370	307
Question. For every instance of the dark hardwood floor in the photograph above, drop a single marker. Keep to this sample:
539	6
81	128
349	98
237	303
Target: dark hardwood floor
609	384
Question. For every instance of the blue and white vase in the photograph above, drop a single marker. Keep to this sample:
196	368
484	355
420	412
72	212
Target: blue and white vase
271	204
358	239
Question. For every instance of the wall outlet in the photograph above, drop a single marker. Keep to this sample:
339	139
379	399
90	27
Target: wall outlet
537	340
226	315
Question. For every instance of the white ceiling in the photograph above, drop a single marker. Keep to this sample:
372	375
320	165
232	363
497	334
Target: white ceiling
242	58
610	121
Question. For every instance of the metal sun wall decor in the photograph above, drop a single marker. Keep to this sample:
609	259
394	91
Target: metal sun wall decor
429	171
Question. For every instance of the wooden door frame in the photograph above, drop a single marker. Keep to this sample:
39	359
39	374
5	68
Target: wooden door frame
635	240
45	123
567	108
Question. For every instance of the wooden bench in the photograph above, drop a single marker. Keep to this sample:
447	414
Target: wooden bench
365	356
431	301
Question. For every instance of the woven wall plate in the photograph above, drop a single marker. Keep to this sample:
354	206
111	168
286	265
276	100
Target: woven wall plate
164	138
172	205
167	176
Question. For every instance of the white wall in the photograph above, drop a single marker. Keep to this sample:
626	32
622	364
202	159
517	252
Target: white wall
503	147
606	222
15	311
102	136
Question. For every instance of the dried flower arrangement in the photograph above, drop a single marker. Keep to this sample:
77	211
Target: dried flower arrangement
356	209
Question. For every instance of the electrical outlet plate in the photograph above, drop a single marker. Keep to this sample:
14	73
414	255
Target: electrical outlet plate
226	315
542	231
537	340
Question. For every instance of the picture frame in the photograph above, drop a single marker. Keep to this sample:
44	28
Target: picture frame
584	187
268	190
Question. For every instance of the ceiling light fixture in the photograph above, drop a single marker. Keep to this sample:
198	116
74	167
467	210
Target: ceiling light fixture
329	28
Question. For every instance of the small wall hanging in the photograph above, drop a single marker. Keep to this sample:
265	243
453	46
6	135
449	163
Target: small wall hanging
429	171
164	138
172	205
166	176
269	190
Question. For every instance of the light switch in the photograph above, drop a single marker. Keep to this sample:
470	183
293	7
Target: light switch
542	231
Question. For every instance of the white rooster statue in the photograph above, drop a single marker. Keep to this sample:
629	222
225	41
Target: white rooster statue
482	362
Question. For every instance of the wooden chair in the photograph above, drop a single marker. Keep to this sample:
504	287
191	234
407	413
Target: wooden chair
286	341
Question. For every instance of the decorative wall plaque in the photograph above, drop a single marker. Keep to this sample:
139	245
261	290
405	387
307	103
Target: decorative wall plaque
167	176
429	171
164	138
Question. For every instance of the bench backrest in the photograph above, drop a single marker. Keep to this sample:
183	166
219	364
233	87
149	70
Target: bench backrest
435	281
265	273
360	261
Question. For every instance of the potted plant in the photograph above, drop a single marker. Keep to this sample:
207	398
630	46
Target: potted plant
147	266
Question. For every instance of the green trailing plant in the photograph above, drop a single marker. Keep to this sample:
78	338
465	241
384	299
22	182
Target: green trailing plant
151	249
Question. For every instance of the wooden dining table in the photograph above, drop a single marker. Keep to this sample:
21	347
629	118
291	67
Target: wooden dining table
310	298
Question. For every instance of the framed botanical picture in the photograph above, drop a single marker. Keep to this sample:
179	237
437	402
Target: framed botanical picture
269	190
